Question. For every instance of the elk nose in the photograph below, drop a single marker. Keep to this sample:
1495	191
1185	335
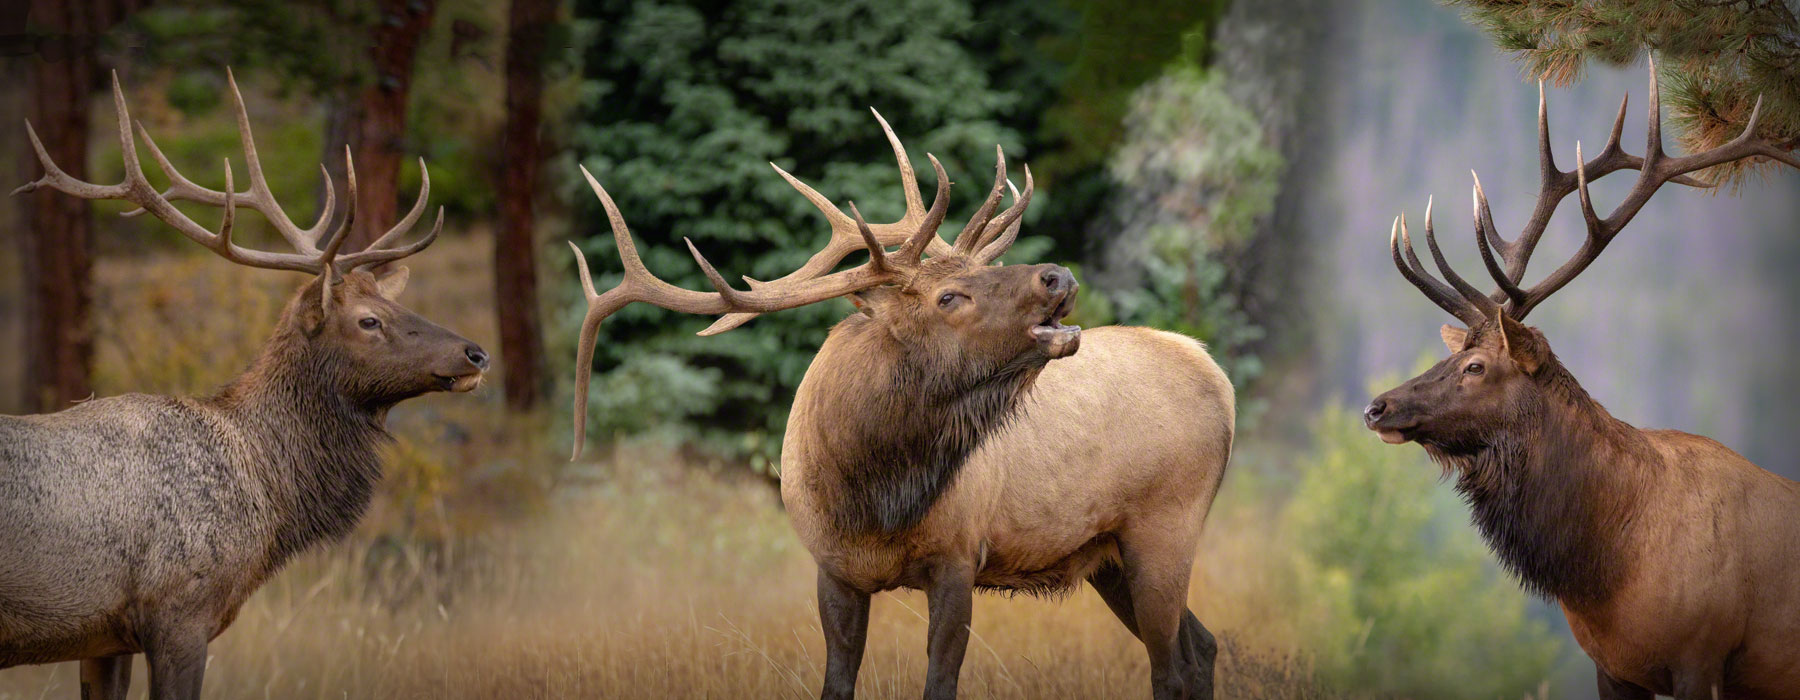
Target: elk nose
477	356
1058	279
1373	413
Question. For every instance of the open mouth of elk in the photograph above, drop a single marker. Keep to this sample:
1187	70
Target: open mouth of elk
461	383
1054	338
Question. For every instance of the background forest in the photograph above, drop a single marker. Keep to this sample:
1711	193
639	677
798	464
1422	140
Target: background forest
1222	169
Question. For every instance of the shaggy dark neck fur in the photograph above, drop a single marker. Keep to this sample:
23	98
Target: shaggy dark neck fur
314	449
1553	491
898	438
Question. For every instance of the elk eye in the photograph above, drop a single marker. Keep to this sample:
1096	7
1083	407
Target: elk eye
1474	369
370	323
947	299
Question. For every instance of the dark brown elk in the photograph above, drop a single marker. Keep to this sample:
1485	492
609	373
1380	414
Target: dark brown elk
1676	561
948	436
139	524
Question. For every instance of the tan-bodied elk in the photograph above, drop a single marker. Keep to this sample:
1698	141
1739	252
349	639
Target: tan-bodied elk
1676	561
139	524
948	436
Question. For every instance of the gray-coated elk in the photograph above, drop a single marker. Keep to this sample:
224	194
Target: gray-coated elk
953	434
139	524
1676	561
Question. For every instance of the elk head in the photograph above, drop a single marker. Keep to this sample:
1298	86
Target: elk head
1499	369
955	308
347	324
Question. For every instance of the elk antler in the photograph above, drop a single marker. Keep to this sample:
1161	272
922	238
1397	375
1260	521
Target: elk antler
1506	260
309	255
915	233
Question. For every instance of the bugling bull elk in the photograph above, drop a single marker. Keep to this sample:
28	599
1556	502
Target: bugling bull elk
1676	561
141	523
949	437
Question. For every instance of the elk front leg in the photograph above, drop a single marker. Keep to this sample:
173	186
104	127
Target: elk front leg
952	603
177	661
844	617
106	677
1615	689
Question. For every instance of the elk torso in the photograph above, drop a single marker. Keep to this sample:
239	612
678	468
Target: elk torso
1663	548
1135	425
129	503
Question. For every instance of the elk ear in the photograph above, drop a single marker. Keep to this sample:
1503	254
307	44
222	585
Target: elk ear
1454	338
1524	345
866	300
391	284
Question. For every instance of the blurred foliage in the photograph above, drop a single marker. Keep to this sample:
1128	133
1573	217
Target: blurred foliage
1112	51
686	100
301	41
308	60
1195	176
1394	592
1714	57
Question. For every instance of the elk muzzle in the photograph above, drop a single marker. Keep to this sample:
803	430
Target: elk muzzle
469	378
1055	339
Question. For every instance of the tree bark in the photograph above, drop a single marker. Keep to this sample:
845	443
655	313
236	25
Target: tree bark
380	124
57	228
515	263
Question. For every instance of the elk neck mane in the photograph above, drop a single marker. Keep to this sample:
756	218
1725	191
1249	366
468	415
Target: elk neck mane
315	450
899	424
1554	490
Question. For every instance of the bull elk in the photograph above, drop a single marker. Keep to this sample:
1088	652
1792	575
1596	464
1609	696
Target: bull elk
1676	561
141	523
948	436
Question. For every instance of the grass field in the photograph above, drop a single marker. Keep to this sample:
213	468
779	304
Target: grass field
649	578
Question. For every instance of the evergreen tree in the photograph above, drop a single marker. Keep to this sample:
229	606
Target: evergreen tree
1714	57
688	102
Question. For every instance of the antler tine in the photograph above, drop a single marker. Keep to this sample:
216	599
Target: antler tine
1007	225
926	237
381	251
877	257
260	198
1487	239
909	181
1487	306
328	257
1400	241
969	239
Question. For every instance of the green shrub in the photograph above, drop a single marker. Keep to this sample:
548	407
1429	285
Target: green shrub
1397	591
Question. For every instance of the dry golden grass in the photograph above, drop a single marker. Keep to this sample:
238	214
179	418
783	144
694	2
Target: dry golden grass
650	578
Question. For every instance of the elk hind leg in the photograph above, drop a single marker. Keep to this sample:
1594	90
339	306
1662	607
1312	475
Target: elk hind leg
1198	648
106	677
1156	566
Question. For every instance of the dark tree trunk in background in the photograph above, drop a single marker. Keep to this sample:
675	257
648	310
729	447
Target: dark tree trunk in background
380	124
57	228
515	263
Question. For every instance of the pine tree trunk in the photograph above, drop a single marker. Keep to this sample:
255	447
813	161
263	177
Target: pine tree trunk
515	264
58	230
380	130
